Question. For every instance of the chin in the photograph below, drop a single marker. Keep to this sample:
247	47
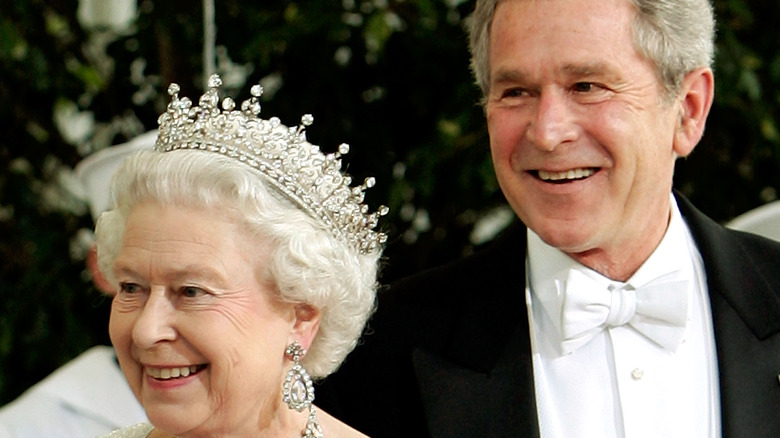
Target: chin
168	425
172	418
565	236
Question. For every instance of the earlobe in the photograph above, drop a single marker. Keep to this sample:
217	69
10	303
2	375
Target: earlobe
696	97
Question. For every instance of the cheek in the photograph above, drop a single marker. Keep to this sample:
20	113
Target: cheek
120	331
625	130
504	134
239	333
120	326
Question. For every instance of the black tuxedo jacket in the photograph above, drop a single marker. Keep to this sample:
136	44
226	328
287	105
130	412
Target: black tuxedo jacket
448	352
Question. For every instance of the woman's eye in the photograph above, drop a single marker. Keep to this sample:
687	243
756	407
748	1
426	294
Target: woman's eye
192	292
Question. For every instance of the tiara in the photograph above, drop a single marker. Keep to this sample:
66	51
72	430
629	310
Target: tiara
281	155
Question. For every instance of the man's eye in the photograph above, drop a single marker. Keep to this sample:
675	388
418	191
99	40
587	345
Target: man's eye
129	288
583	87
512	92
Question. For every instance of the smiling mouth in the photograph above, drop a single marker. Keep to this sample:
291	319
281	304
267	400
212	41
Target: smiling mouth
565	176
173	373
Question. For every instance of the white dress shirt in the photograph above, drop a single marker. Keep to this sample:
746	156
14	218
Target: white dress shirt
621	384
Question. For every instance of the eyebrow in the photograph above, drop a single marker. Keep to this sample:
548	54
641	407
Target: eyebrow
569	70
508	76
590	69
182	274
201	273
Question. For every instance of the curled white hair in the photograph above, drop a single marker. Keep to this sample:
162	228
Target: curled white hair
307	263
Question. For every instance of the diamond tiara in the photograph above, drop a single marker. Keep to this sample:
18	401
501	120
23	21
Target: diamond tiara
281	155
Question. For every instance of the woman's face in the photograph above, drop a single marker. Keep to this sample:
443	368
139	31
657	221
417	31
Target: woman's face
199	332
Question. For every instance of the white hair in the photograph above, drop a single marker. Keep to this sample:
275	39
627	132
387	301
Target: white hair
307	263
678	36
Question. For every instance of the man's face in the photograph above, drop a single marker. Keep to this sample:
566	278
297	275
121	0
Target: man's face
581	138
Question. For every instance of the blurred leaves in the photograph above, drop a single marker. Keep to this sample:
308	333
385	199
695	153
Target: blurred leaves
735	167
389	77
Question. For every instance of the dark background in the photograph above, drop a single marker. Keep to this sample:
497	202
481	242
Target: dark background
402	97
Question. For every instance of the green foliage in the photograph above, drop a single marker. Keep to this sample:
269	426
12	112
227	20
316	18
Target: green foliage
389	77
735	167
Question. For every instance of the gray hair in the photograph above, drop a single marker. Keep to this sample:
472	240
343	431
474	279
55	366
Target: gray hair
677	36
307	263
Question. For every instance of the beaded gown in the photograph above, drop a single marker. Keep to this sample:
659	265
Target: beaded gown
140	430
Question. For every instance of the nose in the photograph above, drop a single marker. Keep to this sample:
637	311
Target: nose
553	122
156	321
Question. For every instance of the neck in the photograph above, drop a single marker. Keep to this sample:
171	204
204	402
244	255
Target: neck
288	423
612	266
622	260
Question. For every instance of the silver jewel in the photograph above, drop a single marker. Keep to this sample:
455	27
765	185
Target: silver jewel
281	155
298	390
313	429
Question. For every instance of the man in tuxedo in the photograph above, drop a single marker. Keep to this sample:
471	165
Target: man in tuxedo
612	308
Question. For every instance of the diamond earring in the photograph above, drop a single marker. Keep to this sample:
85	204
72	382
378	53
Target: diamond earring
298	390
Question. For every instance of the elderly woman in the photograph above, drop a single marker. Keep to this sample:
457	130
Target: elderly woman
245	263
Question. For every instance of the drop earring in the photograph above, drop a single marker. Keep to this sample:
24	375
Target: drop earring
298	390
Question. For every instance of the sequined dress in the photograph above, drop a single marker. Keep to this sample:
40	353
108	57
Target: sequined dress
140	430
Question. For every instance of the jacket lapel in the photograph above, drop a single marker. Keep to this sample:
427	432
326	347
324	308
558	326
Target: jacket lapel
743	287
481	383
463	402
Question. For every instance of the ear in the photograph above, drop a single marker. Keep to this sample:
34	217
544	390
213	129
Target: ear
698	89
97	277
307	324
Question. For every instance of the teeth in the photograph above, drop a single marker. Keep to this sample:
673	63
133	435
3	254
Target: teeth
171	373
567	174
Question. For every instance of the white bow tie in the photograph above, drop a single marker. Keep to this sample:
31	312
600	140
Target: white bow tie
658	310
